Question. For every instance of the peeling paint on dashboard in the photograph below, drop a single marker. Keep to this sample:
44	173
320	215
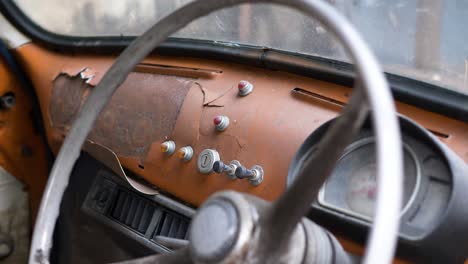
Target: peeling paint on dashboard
144	109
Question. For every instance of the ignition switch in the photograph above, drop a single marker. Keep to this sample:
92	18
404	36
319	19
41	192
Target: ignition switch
206	160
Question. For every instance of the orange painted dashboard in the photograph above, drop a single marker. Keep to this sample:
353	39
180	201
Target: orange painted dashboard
168	98
177	98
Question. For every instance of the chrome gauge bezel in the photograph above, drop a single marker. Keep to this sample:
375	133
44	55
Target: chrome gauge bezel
352	147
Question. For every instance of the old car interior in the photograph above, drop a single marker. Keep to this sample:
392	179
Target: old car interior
233	131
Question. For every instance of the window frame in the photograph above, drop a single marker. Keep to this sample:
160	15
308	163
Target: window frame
415	92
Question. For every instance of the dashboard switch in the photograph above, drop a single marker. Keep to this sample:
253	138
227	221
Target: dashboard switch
206	160
221	122
254	175
245	88
168	147
185	153
230	169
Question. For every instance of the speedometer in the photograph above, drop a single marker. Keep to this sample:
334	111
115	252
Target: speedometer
431	205
352	188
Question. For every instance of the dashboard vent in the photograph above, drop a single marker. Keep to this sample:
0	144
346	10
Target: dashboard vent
172	225
132	211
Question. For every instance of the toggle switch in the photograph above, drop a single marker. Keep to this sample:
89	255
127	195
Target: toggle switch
185	153
230	169
245	88
254	175
168	147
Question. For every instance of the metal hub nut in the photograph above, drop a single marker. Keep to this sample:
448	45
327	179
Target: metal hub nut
221	228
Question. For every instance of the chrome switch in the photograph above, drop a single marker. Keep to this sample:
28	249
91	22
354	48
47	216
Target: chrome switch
230	169
206	160
254	175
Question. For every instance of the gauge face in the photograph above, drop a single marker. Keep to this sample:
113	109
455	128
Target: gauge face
352	188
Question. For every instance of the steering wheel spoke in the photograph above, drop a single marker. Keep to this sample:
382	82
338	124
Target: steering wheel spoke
313	170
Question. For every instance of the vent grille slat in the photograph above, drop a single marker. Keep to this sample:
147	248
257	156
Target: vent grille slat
125	207
167	220
146	216
132	211
172	225
118	208
182	230
137	213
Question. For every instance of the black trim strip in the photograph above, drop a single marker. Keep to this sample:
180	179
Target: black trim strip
423	95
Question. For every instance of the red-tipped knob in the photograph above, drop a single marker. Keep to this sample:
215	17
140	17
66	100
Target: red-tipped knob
217	120
245	87
242	84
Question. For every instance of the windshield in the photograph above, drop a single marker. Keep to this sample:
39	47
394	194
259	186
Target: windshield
422	39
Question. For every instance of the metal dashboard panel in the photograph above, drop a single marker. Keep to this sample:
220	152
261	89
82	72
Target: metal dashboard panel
267	126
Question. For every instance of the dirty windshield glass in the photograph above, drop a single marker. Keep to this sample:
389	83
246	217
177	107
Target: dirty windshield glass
421	39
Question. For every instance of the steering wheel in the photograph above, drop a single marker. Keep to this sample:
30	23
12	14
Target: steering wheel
231	227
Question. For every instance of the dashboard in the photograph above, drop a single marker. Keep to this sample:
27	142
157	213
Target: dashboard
191	127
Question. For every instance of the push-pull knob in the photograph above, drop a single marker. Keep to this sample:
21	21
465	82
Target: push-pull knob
230	169
254	175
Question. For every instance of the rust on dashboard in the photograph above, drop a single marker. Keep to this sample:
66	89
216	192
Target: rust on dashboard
68	93
144	109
